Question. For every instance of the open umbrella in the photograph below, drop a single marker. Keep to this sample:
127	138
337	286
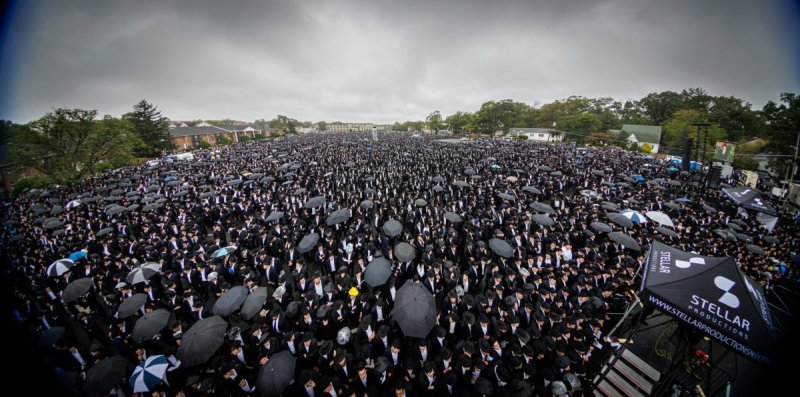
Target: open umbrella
75	289
512	179
453	217
501	247
589	193
392	228
275	377
601	227
438	179
667	232
77	255
506	196
634	216
420	202
369	191
274	216
367	204
531	189
770	239
105	375
131	305
51	336
223	251
414	310
307	243
231	300
660	218
254	302
438	189
52	223
378	271
140	275
150	324
625	240
755	249
727	234
543	220
153	206
542	207
201	341
315	202
744	237
59	267
338	216
544	168
672	206
149	374
405	252
461	183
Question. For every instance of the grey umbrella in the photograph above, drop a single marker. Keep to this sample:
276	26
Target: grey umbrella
438	179
151	207
275	377
619	219
299	191
739	222
201	341
105	375
625	240
378	272
231	300
609	207
543	220
367	204
235	182
52	224
116	192
315	202
556	173
103	232
601	227
666	231
744	237
338	216
266	179
116	210
405	252
506	196
531	189
140	275
599	172
735	227
274	216
727	234
755	249
709	209
420	202
254	302
392	228
544	168
131	305
438	189
770	239
461	183
59	232
132	207
469	171
453	217
76	288
150	324
307	243
673	206
542	207
57	209
181	193
369	191
414	310
501	247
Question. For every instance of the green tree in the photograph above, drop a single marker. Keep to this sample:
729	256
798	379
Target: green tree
434	121
658	107
322	126
152	128
735	116
782	124
67	144
285	124
458	122
581	123
680	126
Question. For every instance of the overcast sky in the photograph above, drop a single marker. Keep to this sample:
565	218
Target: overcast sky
384	61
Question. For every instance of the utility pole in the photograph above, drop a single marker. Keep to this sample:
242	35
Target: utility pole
704	127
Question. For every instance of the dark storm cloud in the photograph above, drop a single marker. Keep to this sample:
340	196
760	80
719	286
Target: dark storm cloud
389	60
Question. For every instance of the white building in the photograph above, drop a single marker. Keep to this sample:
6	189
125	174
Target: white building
537	134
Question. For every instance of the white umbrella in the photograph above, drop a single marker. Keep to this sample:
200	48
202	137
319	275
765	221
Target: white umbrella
634	216
660	218
149	373
59	267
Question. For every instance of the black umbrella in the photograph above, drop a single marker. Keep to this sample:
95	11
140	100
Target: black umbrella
438	189
673	206
392	228
461	183
744	237
315	202
667	232
405	252
544	168
625	240
770	239
151	207
131	305
755	249
105	231
531	189
51	336
274	216
150	324
275	377
709	209
231	300
201	341
56	210
378	271
307	243
367	204
542	207
727	234
501	247
453	217
140	275
735	227
254	303
414	310
369	191
619	219
506	196
105	375
438	179
338	216
420	202
52	224
601	227
543	220
76	288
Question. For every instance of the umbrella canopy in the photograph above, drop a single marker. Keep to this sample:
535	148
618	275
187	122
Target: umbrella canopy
461	183
274	216
512	178
338	216
660	218
673	206
315	202
544	168
131	305
501	247
667	232
542	207
627	241
709	209
51	336
634	216
201	341
770	239
755	249
506	196
531	189
392	228
601	227
589	193
438	189
307	243
59	267
275	377
744	237
223	252
543	220
231	300
149	374
420	202
405	252
438	179
727	234
378	271
153	206
150	324
453	217
414	310
367	204
76	288
52	223
140	275
104	375
254	302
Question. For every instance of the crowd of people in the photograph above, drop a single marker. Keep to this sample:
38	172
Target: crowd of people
176	237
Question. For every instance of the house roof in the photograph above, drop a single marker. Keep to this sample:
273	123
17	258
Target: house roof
190	131
533	130
644	133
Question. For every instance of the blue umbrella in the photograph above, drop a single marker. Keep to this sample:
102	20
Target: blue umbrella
672	169
638	178
77	255
683	200
149	374
633	216
495	166
223	251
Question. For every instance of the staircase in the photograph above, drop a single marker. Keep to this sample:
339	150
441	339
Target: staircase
626	375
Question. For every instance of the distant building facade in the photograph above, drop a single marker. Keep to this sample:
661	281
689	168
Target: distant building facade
643	134
189	137
538	134
338	126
